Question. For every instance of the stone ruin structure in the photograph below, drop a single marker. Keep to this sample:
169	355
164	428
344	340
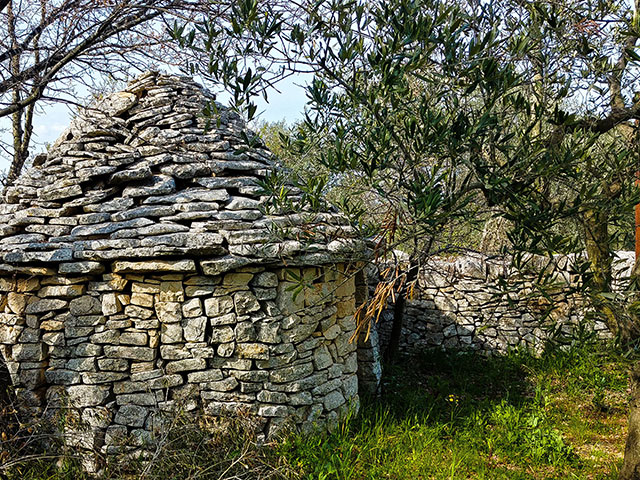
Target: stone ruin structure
143	273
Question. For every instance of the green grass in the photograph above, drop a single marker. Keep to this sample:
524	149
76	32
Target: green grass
440	416
447	416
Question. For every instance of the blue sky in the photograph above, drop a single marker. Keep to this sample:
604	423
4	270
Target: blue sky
288	104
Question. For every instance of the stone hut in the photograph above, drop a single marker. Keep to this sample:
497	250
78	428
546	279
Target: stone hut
142	272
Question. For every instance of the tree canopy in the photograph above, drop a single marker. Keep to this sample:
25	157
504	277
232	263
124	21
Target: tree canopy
530	108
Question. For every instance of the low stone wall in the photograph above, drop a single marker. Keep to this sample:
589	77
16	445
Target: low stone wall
125	349
462	302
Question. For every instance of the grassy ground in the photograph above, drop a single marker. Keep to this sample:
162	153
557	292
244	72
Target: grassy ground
461	416
441	416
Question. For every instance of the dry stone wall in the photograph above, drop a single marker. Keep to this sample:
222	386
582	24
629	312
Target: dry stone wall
482	303
127	348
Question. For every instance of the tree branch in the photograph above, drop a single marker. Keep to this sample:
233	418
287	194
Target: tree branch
54	16
107	29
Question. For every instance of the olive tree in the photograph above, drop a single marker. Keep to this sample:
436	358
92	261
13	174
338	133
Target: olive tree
530	107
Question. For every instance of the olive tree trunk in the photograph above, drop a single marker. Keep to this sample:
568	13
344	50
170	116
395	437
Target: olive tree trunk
393	348
631	465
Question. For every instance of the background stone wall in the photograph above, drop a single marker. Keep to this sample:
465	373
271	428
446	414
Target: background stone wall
458	303
125	348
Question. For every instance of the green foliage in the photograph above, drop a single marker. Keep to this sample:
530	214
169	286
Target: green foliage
425	116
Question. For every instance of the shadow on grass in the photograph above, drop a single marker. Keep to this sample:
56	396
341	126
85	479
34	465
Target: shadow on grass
434	380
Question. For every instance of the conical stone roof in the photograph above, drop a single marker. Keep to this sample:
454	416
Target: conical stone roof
139	176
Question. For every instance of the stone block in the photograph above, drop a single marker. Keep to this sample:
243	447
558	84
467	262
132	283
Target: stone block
266	280
222	334
205	376
134	338
226	349
272	397
80	268
228	319
269	332
149	288
245	303
192	308
88	395
332	332
225	385
265	293
199	290
187	365
85	305
110	304
333	400
301	398
174	352
171	292
131	415
257	351
346	307
141	399
322	358
97	417
142	300
218	306
106	337
17	302
134	311
346	287
84	364
113	364
46	305
350	386
27	284
273	411
287	301
290	374
168	312
31	352
9	334
64	291
51	338
194	329
301	332
58	376
102	377
171	333
31	378
222	265
245	332
51	325
183	266
132	353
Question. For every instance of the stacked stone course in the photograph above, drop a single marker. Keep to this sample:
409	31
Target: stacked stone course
124	347
142	273
483	303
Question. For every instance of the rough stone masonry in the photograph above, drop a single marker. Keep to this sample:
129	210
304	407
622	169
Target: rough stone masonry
141	275
483	303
